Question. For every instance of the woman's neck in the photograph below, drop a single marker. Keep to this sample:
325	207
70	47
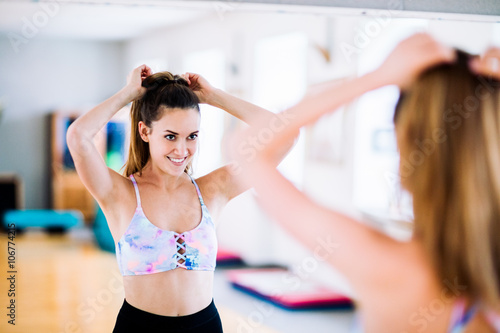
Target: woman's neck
160	179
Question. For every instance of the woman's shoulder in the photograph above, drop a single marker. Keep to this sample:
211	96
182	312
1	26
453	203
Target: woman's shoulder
211	182
222	182
398	267
122	196
121	183
214	187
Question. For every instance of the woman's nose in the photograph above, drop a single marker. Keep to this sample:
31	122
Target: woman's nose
181	148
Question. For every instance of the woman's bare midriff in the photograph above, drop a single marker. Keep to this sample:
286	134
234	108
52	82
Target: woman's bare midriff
177	292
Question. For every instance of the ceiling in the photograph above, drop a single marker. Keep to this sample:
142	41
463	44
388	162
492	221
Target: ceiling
93	21
476	7
116	20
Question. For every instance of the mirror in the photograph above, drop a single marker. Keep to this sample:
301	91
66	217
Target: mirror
68	56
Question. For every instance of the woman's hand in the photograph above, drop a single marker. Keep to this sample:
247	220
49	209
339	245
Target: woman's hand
200	86
488	64
134	86
411	57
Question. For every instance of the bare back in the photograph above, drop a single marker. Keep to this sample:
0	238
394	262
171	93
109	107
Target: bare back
414	299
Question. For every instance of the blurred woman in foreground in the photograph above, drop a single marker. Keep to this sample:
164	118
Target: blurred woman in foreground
446	278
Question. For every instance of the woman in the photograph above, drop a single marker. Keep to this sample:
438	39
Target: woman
160	217
446	279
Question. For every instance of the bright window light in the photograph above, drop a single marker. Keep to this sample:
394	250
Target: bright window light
376	185
280	81
156	64
211	65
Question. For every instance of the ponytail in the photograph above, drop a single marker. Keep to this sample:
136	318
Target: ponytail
138	153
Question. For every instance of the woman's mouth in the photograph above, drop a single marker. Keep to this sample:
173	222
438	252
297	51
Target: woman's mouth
177	161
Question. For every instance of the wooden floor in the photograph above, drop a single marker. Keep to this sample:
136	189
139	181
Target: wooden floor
64	284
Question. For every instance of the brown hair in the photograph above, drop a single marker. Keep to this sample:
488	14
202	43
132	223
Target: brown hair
163	90
448	129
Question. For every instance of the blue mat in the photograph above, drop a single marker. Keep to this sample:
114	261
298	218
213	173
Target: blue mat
43	218
101	231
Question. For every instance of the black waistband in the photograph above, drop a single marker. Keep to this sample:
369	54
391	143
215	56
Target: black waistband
185	322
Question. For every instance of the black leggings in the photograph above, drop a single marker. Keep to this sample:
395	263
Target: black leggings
132	319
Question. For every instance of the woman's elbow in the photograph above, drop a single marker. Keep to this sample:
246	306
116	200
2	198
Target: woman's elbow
74	138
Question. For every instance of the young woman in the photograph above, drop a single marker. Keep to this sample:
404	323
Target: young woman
162	220
447	278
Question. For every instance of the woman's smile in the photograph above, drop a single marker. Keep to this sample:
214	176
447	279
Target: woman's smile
177	161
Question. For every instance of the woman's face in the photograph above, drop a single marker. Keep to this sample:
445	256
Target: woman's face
173	139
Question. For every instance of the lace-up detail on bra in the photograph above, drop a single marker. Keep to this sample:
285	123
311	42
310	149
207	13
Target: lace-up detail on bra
180	255
147	249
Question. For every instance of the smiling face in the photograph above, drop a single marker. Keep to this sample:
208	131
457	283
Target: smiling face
172	139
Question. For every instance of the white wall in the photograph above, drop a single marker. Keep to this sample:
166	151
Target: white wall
47	75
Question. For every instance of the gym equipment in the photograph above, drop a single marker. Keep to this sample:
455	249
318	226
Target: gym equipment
52	220
102	234
287	290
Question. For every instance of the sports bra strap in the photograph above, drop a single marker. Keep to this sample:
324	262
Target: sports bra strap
136	191
197	189
494	319
461	316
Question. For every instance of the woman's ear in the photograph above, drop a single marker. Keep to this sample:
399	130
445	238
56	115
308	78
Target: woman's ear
144	131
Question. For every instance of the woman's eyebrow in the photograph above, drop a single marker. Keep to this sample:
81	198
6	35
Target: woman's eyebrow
195	132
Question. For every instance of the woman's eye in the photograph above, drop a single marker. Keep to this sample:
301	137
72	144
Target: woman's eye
193	136
170	137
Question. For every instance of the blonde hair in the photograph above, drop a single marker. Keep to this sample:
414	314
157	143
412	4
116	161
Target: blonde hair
448	129
164	90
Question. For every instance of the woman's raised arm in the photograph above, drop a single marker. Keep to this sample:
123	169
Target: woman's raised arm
225	177
355	250
89	164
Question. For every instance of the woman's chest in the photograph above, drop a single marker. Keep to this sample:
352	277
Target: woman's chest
178	214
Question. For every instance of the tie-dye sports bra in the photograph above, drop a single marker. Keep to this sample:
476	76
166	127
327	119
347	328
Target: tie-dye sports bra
460	316
147	249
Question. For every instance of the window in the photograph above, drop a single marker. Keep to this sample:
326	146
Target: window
376	183
280	81
211	65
